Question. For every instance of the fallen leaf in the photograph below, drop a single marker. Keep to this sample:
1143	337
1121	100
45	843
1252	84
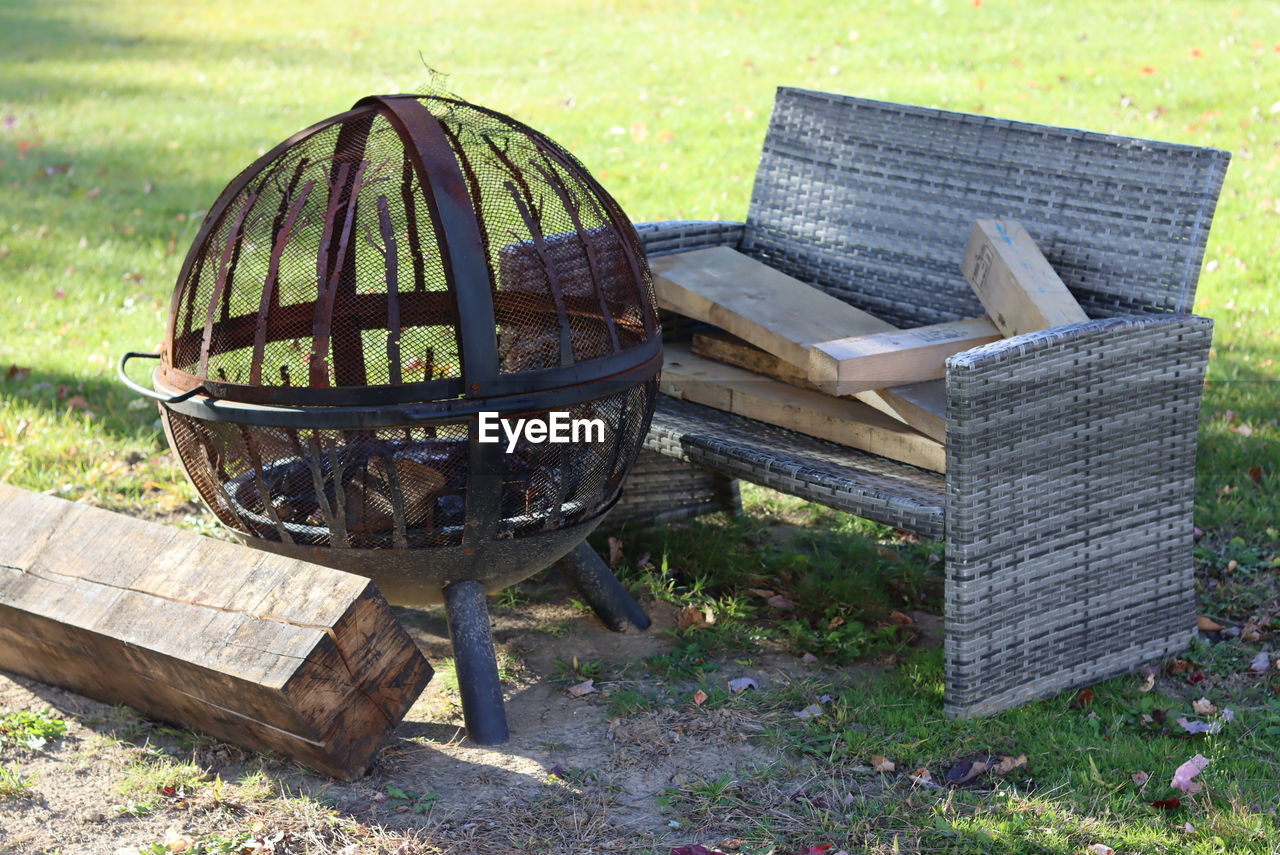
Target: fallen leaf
1203	707
1167	804
1205	624
1243	429
586	687
699	697
882	764
615	551
692	617
811	711
1195	727
77	402
693	849
780	602
763	593
808	659
1255	472
741	684
1140	778
922	775
901	619
1188	828
16	372
1099	849
1260	663
1179	666
1148	684
1008	764
1182	776
1084	698
965	771
816	850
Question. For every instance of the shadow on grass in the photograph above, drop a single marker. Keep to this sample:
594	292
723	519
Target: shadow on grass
68	396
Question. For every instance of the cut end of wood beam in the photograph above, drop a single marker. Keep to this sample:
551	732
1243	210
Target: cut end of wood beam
1015	283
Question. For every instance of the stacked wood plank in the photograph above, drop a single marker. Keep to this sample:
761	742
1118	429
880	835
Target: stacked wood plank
264	651
792	355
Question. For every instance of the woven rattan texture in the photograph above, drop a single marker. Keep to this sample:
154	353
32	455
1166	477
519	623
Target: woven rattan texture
661	489
1071	466
1071	452
874	202
843	478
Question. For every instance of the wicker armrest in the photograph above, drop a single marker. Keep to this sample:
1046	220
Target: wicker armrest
1070	474
665	238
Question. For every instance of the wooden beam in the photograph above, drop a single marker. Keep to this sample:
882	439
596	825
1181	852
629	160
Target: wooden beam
851	423
763	306
886	359
1015	283
253	648
921	405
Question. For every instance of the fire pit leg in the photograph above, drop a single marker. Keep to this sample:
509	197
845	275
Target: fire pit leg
611	602
473	656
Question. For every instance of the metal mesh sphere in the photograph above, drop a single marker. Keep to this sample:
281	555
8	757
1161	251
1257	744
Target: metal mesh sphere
405	246
359	295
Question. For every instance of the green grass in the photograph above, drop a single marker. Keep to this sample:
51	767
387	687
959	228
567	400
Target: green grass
13	783
120	123
31	730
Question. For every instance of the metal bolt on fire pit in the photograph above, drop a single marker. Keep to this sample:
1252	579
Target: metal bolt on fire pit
354	302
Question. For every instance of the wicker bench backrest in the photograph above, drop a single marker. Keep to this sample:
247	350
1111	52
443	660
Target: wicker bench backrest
874	202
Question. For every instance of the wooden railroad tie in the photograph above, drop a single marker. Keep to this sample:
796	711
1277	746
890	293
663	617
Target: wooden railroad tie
260	650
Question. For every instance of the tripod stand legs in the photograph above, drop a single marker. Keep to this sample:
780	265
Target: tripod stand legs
473	653
601	589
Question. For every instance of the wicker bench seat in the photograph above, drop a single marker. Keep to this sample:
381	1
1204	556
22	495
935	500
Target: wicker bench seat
1066	507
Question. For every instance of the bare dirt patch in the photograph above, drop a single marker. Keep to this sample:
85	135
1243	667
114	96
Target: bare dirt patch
574	777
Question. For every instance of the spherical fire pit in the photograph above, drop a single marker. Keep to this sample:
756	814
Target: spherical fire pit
382	330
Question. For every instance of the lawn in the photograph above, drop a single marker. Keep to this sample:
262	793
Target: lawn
120	123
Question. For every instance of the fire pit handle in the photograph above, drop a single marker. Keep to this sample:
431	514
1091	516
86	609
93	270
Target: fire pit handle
151	393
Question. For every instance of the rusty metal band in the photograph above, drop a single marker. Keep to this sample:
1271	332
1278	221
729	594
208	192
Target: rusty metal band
465	258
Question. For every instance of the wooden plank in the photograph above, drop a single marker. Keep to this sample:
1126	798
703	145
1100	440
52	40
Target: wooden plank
725	387
254	648
883	360
923	406
1015	283
763	306
767	309
731	350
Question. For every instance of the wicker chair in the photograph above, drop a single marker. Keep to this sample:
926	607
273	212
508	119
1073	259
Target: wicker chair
1066	507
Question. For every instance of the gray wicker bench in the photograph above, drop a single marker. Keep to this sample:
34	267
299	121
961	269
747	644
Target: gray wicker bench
1066	507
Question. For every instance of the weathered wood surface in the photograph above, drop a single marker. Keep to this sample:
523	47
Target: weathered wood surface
763	306
1016	285
883	360
767	309
921	405
852	423
260	650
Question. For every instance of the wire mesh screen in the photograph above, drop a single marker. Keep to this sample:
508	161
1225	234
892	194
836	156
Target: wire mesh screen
326	268
333	263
